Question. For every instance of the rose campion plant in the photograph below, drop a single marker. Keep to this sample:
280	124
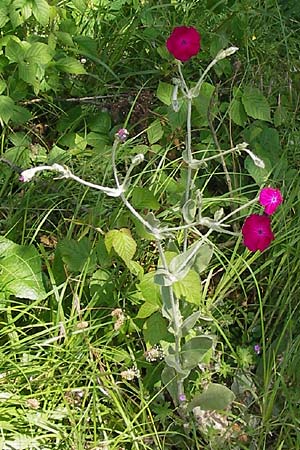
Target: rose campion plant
257	232
270	198
183	43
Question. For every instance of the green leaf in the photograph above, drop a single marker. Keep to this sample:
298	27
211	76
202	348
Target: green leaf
259	175
154	132
149	290
168	377
189	322
146	310
237	112
20	270
195	350
38	53
189	288
189	210
215	397
3	15
41	11
142	198
70	65
6	108
181	264
15	51
203	101
256	105
164	92
122	243
203	257
75	254
155	329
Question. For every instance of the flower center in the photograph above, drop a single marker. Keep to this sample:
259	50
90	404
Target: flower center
184	42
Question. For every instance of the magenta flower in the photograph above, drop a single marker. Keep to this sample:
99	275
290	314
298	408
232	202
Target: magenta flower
270	198
184	43
257	232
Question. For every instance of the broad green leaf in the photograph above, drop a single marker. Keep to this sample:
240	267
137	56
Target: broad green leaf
237	112
195	350
41	11
142	198
168	377
27	73
20	115
6	108
189	210
15	51
3	86
203	257
155	132
189	288
189	322
20	270
203	101
155	329
70	65
215	397
149	290
256	105
80	5
122	243
259	175
135	268
4	18
164	92
146	310
38	53
97	140
181	264
75	254
65	38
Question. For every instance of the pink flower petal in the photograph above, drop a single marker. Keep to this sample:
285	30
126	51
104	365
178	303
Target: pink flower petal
184	43
270	198
257	232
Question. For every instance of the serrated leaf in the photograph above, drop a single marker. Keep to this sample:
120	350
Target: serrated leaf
38	53
195	350
20	270
70	65
41	11
154	132
256	105
75	254
122	243
15	51
215	397
164	92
